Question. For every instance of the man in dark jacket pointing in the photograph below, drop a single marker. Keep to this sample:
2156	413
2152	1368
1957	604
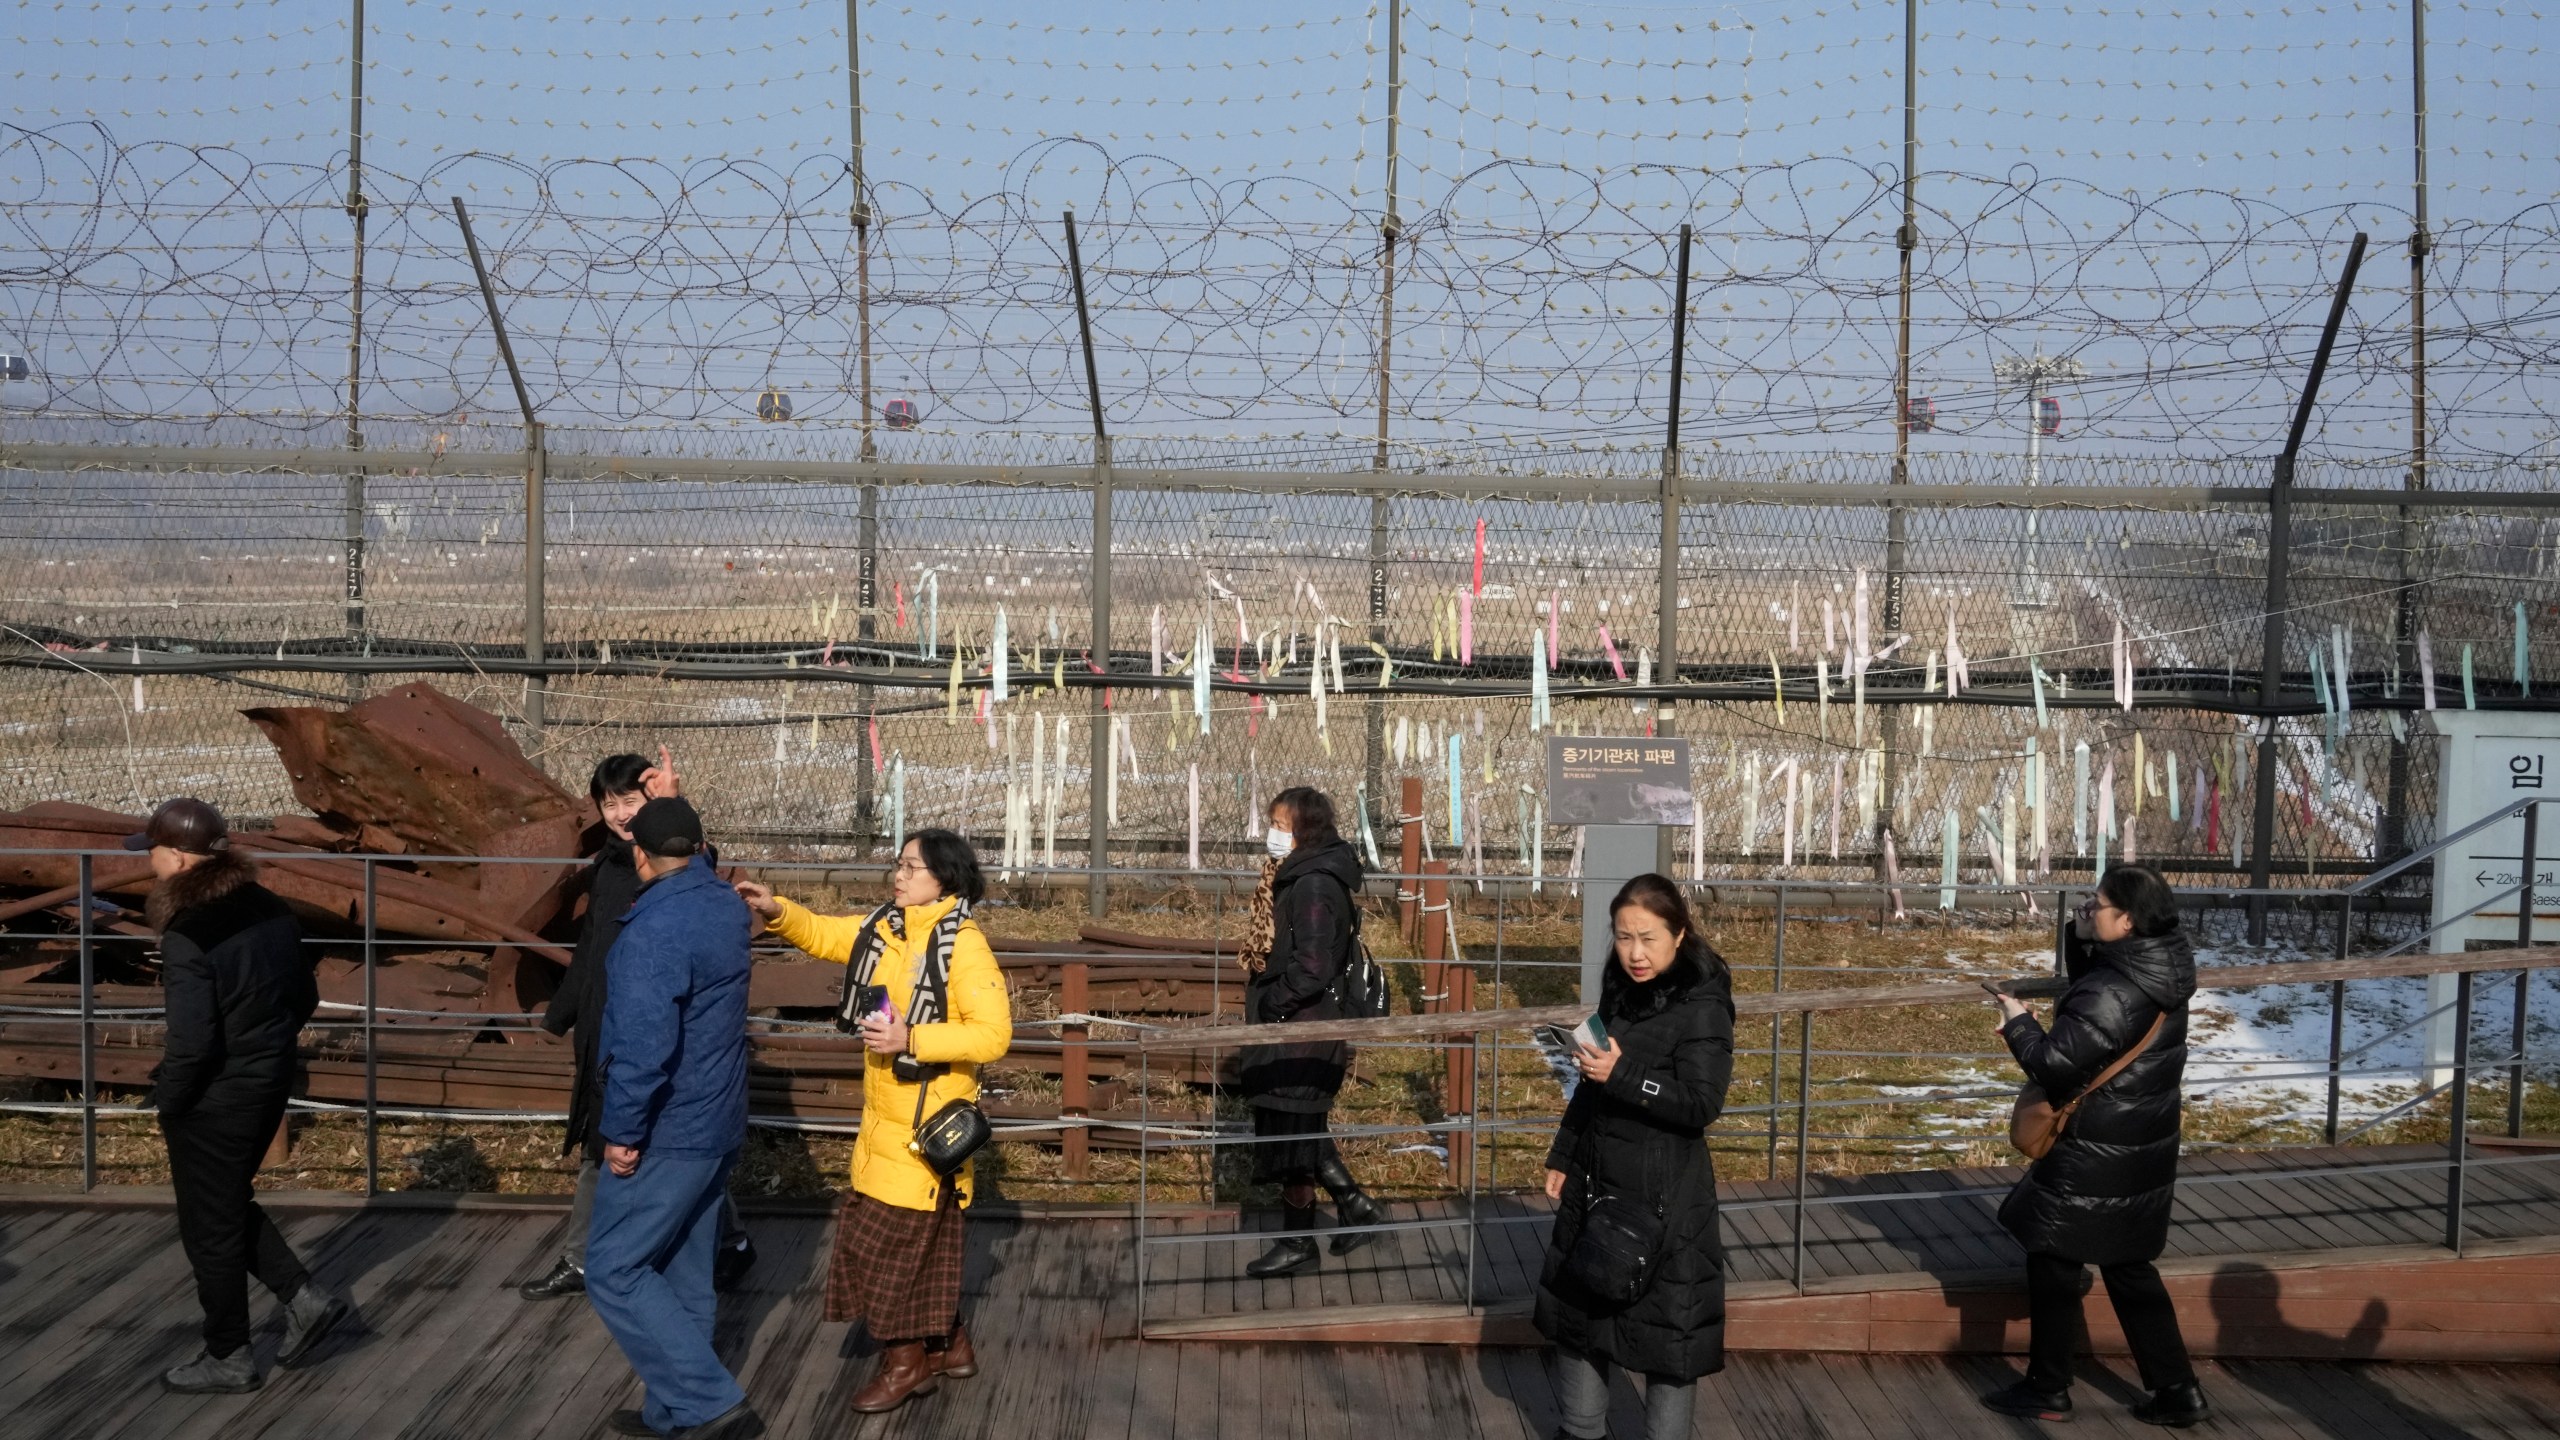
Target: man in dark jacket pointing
674	1119
620	785
238	990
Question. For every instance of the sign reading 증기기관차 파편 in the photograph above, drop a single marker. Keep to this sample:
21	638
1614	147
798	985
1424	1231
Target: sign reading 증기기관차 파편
1601	780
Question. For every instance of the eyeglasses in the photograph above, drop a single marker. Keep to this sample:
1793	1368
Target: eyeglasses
912	867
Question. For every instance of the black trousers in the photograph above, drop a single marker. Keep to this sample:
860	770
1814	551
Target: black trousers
213	1159
2143	1308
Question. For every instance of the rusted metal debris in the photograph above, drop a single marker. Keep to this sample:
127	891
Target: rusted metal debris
414	771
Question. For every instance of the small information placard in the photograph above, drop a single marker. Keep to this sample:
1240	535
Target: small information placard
1598	780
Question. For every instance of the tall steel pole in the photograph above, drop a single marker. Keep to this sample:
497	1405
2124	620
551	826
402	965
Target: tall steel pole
1669	566
2404	612
1381	516
866	622
536	471
1896	520
355	505
1098	854
2279	600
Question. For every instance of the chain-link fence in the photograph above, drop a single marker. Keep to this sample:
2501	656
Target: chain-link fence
1356	628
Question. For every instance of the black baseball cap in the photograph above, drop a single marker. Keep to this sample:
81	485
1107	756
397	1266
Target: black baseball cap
187	824
667	827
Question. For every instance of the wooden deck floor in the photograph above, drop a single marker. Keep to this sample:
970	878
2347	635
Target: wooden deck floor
2229	1204
95	1300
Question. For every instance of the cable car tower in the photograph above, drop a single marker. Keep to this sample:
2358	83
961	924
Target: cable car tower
2044	417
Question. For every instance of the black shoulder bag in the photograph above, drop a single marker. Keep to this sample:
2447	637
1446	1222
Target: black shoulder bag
1617	1250
956	1131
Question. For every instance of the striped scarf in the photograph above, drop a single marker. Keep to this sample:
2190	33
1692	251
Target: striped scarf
933	979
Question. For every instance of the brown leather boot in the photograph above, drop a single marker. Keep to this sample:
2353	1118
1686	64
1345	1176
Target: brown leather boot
905	1372
958	1360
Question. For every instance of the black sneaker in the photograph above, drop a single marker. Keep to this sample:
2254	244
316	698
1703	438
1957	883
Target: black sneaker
308	1318
732	1264
211	1374
628	1422
2029	1404
738	1422
2175	1406
566	1278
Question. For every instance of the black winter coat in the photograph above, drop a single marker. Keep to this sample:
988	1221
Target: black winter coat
1642	1135
237	987
613	882
2101	1196
1313	923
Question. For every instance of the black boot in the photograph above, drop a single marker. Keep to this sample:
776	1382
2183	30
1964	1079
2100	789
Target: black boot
1350	1203
2029	1403
2175	1406
1290	1255
737	1256
567	1277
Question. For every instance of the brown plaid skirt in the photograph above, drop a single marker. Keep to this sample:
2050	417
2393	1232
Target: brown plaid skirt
897	1270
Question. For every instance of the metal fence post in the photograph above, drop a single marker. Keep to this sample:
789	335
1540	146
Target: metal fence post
2459	1138
88	1027
1501	913
1804	1127
1075	1072
372	1120
2338	1015
1777	1025
2524	978
1146	1121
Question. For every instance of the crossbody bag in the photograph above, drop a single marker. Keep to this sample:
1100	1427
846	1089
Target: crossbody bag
2035	1123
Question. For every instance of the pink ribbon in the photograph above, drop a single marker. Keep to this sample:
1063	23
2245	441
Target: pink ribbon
1611	646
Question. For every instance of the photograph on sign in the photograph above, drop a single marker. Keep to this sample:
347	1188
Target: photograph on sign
1600	780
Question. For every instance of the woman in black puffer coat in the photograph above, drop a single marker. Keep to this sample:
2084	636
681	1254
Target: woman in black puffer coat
2101	1196
1635	1131
1306	922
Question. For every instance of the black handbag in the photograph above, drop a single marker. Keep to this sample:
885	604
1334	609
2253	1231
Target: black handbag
955	1132
1616	1252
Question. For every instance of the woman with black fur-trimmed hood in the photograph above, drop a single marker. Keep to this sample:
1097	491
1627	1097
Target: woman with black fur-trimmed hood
237	989
1634	1273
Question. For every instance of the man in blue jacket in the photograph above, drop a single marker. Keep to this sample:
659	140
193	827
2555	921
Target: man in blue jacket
675	1116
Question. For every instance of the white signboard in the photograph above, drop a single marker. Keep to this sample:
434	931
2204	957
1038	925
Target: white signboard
2487	761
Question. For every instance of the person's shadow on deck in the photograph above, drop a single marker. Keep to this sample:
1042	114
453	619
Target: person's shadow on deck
2342	1402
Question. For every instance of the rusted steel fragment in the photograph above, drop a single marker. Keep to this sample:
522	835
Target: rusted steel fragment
327	892
415	771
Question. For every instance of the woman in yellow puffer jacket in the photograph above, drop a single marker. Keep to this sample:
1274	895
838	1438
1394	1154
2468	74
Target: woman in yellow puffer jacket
899	1234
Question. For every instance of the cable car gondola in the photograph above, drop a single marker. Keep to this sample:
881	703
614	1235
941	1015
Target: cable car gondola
900	414
773	405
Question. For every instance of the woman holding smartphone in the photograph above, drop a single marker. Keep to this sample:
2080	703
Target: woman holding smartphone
2101	1195
1634	1274
931	1008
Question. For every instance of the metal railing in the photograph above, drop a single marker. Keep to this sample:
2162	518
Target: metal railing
1480	1035
1470	1131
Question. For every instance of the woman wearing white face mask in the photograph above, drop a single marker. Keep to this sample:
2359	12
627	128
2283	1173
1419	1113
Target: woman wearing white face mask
1305	923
